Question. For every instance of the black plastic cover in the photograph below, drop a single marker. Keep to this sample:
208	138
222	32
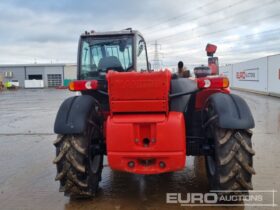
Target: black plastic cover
233	112
73	114
178	85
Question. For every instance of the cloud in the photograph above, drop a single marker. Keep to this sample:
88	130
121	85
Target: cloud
49	30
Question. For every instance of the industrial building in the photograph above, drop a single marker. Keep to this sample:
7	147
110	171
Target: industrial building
48	75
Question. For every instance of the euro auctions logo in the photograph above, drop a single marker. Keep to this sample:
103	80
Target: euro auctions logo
224	198
248	75
241	75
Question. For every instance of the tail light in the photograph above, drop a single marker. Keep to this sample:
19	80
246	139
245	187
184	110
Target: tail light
80	85
215	82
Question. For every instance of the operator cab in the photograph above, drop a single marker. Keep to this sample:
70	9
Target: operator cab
120	51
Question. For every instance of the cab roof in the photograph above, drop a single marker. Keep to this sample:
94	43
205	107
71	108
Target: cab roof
127	31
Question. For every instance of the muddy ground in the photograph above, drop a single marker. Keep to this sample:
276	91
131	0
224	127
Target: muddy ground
27	173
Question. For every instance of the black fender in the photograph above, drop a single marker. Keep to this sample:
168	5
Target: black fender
73	114
233	111
180	85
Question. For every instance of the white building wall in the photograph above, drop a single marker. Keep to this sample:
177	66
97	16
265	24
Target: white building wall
70	71
259	75
274	74
251	75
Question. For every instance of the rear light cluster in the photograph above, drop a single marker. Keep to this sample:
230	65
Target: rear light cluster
80	85
206	82
212	82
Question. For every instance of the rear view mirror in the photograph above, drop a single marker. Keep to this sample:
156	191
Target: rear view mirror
140	47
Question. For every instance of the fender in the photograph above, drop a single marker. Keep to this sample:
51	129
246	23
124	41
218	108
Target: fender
72	115
233	112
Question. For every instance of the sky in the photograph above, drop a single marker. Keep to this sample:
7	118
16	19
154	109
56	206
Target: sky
48	31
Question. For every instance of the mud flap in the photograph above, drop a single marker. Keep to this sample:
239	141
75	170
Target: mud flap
72	115
232	111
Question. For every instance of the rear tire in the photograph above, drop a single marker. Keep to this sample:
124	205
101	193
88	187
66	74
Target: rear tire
230	168
78	170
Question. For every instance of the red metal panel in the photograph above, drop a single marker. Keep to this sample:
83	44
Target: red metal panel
139	91
202	96
139	106
127	137
174	161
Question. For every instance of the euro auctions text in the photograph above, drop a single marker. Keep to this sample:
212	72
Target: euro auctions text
230	198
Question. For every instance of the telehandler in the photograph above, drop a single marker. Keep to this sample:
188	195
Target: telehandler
147	122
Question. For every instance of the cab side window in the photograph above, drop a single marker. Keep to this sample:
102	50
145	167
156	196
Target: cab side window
141	54
86	57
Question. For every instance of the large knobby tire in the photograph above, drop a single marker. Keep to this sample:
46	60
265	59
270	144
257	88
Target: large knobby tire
78	169
230	168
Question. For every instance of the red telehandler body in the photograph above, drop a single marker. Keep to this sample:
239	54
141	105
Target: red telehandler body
147	122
